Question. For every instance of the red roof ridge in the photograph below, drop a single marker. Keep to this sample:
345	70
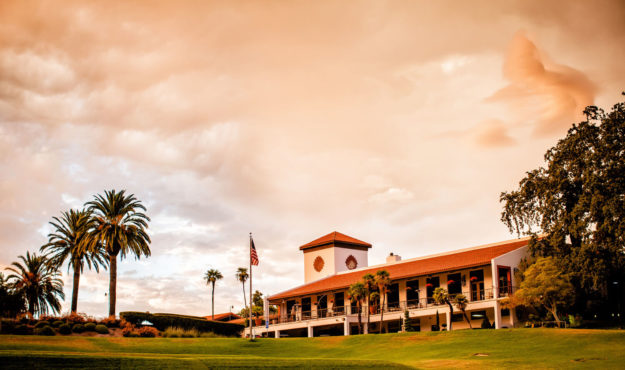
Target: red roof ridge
455	251
335	237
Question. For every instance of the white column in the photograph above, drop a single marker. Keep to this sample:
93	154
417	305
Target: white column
346	327
310	331
277	333
448	320
497	309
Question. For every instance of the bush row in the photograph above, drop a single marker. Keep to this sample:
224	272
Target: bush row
43	327
162	321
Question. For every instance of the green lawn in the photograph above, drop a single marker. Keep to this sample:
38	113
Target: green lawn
525	348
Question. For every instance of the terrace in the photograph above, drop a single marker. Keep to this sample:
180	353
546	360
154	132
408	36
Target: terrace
308	311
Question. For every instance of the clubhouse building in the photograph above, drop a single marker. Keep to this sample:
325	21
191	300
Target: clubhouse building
320	307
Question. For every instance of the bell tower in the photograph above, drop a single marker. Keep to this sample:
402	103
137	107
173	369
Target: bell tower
332	254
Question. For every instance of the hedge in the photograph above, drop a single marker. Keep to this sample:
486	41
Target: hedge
162	321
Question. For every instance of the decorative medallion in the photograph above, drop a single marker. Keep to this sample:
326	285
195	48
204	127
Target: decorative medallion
318	264
351	262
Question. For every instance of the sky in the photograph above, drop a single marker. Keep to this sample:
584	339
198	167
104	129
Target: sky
396	122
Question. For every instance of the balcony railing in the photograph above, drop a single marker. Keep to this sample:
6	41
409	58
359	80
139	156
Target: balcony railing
422	303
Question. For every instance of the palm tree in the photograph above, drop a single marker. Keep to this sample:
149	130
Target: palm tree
461	301
39	282
356	293
382	280
121	228
441	297
242	276
211	277
71	241
368	280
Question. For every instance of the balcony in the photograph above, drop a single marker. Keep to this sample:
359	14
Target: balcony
416	304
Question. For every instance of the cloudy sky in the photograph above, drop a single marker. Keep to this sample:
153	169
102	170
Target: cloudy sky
398	123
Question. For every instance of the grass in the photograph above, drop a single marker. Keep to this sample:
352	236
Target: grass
519	348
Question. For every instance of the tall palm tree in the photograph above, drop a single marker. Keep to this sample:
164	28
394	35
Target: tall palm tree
39	282
356	293
461	301
382	280
211	277
71	241
121	228
441	296
242	276
368	281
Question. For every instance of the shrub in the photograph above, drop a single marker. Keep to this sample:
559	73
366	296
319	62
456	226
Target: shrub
133	334
7	326
163	321
58	323
101	329
65	329
575	321
127	329
41	324
90	326
75	318
148	332
78	328
22	329
45	330
111	322
180	333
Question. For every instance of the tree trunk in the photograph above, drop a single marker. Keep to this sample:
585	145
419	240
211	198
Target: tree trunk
31	307
368	312
359	319
464	313
213	302
382	312
554	311
112	284
249	314
451	313
75	289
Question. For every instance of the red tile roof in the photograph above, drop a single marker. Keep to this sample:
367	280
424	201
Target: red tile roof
335	237
415	267
222	316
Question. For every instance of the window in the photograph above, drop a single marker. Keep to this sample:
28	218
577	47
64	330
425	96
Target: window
412	290
454	285
478	315
505	312
339	299
431	284
393	295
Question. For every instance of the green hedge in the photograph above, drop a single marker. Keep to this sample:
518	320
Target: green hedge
162	321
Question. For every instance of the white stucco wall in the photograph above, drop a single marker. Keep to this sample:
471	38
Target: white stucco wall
510	259
310	274
334	261
341	254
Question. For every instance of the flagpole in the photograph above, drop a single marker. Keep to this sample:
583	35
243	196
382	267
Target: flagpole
251	302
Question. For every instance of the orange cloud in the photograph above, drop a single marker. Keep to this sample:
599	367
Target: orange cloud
556	94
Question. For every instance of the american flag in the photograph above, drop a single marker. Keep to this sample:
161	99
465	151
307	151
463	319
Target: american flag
253	254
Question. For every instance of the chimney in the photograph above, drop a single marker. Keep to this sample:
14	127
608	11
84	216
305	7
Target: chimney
392	258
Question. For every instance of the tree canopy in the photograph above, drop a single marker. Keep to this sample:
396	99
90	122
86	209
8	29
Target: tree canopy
574	206
545	285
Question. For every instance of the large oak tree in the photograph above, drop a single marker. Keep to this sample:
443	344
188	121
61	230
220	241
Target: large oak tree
574	206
